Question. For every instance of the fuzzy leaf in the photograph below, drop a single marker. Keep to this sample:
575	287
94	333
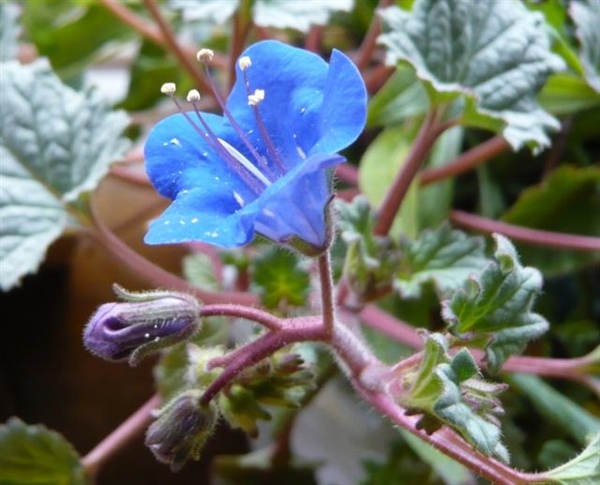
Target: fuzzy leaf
370	260
55	144
449	390
497	304
584	469
281	14
33	454
586	15
489	57
444	257
10	29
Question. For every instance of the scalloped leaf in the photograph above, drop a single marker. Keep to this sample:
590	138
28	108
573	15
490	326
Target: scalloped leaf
281	14
55	144
444	257
496	304
33	454
586	15
449	390
490	57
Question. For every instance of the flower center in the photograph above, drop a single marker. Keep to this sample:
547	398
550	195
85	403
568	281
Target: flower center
257	174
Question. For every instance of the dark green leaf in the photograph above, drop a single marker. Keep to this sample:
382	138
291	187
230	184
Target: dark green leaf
444	257
586	15
55	144
35	455
10	29
497	304
489	56
280	278
557	205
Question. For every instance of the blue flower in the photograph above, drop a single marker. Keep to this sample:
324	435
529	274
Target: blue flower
262	167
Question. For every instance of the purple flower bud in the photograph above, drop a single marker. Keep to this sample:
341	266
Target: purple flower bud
144	323
182	428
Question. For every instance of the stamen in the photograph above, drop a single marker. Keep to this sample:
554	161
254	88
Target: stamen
256	98
260	160
193	96
168	89
205	55
244	62
245	162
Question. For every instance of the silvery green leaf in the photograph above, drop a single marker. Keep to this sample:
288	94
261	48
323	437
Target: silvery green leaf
284	14
497	304
444	257
584	469
10	29
55	144
490	58
586	15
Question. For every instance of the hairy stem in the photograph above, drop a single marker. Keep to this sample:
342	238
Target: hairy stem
241	311
327	304
173	46
535	237
466	161
121	436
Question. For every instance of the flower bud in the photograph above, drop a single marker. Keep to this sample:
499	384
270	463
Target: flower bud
144	323
182	428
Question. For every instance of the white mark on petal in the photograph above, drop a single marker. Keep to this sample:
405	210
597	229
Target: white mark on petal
239	198
175	141
167	223
194	220
268	213
182	222
146	335
300	152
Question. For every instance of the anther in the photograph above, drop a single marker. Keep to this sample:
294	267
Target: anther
244	62
205	55
168	89
255	98
193	96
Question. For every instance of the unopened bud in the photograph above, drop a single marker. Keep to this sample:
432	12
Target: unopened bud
181	430
142	324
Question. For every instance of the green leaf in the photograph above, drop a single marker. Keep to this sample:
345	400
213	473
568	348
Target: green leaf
444	257
489	57
401	98
280	278
496	304
10	30
556	407
556	205
33	454
378	169
586	15
584	469
566	93
281	14
198	269
370	260
55	144
449	390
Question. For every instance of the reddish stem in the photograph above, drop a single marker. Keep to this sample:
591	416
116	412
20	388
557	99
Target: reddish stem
241	311
466	161
312	42
121	436
394	197
173	46
128	17
535	237
365	51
